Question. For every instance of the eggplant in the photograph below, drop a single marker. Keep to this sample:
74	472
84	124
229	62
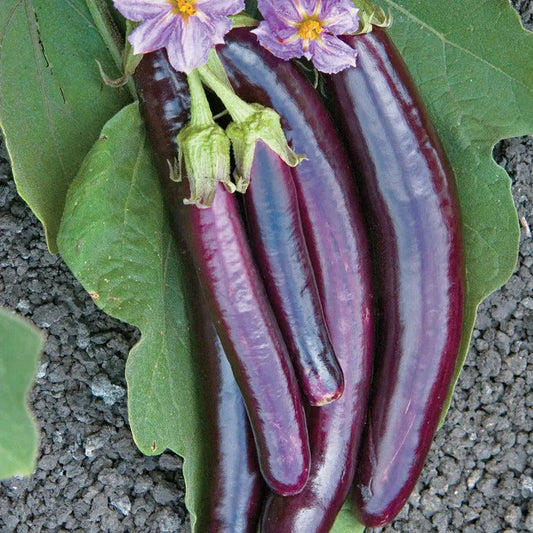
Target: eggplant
412	207
235	492
279	247
216	240
233	497
336	238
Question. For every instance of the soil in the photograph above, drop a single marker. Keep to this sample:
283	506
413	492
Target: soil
90	477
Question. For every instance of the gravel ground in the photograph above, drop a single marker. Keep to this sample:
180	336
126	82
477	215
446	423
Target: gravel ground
91	478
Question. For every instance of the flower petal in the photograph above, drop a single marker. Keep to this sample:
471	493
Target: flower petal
154	33
142	9
189	45
220	7
221	27
339	17
280	14
284	44
331	55
310	7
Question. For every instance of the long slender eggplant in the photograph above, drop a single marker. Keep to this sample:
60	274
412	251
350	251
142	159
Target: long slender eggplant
279	247
410	195
337	243
233	497
216	240
236	489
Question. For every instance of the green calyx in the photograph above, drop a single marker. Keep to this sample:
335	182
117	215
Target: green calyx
263	124
251	123
204	152
243	20
204	149
371	15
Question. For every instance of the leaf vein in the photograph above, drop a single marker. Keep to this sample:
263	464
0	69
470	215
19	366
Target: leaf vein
34	36
440	36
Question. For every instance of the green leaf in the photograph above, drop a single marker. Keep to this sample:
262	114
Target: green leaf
345	521
20	347
472	64
53	102
116	239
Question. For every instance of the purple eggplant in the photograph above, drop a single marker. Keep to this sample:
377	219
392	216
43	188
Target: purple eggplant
233	495
412	207
235	491
278	242
216	240
338	246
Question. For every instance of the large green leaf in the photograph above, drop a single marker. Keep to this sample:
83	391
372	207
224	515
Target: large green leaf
52	100
472	64
115	237
20	347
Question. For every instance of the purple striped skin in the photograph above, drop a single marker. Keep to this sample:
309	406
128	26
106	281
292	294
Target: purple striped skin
216	240
278	243
413	209
338	246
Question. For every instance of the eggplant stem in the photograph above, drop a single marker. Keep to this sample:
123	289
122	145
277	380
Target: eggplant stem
110	35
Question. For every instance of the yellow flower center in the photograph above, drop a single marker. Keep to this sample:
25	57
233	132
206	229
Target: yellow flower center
310	29
184	7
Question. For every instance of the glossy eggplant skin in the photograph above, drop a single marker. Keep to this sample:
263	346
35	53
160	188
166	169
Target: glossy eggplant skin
236	487
413	209
216	240
278	243
338	246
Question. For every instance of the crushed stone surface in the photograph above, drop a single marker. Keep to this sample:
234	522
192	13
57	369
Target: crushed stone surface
90	477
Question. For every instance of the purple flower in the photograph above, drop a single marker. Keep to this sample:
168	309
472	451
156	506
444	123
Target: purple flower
188	29
309	28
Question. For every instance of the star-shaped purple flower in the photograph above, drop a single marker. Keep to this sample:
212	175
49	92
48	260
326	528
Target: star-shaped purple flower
188	29
309	28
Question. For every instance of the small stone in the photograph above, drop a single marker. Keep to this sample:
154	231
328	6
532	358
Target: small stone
170	462
46	315
121	503
490	363
169	522
164	493
440	521
526	483
430	504
517	364
103	388
142	484
41	373
10	521
473	478
48	462
99	505
527	303
528	523
513	515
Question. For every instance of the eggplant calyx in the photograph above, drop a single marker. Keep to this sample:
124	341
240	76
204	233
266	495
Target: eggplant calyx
204	152
262	125
371	15
203	149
